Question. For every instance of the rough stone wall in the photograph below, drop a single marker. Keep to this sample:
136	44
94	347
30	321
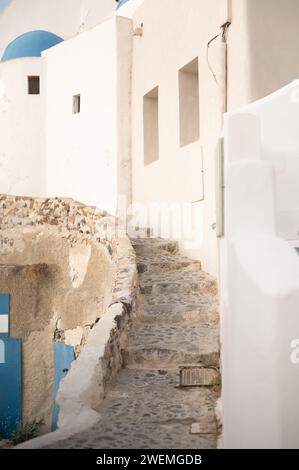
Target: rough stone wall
67	269
73	220
83	389
63	264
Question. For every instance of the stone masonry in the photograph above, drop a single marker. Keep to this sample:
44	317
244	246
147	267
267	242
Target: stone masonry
177	326
65	267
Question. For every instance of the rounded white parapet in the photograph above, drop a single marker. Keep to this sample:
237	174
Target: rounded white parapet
268	130
260	274
250	198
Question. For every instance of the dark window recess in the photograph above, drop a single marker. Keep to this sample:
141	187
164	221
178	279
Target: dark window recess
76	104
189	103
151	126
33	85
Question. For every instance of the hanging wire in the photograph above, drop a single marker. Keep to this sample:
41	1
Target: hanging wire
222	33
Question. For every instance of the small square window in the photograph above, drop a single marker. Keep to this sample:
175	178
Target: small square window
33	85
76	104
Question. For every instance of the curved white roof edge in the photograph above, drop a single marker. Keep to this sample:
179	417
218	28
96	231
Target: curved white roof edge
128	9
285	90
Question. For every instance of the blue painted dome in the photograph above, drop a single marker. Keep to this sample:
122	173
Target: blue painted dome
30	44
120	3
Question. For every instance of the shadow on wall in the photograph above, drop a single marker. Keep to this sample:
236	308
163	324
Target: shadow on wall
48	306
274	44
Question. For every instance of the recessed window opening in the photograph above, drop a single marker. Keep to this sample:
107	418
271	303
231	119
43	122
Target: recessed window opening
76	104
189	103
151	126
33	85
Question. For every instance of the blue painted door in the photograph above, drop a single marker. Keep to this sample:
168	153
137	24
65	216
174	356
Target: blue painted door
63	358
10	386
10	374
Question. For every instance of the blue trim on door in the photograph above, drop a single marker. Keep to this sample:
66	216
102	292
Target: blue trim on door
10	386
4	311
4	304
63	357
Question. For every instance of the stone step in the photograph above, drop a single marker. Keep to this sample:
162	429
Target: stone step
170	302
146	358
186	337
139	232
200	312
150	246
164	263
187	280
157	288
208	317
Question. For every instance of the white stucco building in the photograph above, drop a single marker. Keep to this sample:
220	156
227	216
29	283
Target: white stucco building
124	108
150	106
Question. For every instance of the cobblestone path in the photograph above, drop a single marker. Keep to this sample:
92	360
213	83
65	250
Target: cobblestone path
178	325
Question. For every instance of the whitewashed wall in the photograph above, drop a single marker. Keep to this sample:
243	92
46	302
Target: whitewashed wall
259	62
260	274
22	16
22	129
129	8
86	151
174	34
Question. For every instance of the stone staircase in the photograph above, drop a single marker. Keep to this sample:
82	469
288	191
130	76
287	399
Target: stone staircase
177	326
